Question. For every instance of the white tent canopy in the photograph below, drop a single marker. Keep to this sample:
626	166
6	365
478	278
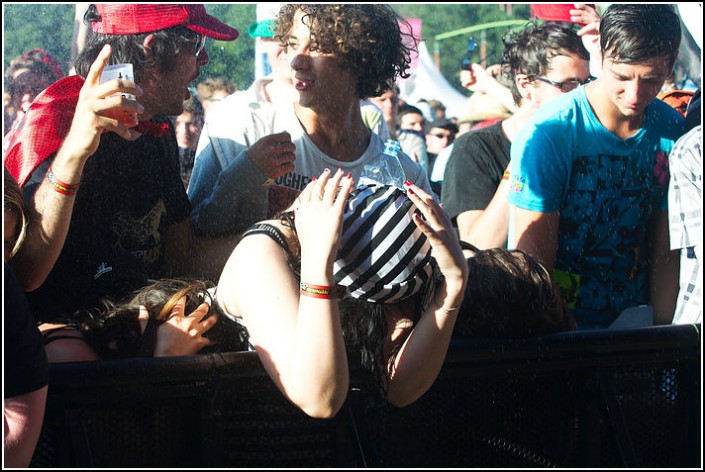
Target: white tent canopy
426	82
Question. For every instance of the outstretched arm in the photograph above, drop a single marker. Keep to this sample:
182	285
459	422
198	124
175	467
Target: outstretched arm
422	355
49	211
479	80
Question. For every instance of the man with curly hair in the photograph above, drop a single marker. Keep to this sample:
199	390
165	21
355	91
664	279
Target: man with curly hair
251	164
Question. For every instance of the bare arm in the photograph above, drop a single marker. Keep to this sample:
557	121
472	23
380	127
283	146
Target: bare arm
24	416
536	233
479	80
298	338
487	228
49	212
664	265
421	357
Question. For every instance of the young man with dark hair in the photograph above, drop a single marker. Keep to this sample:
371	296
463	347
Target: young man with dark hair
253	164
589	176
474	192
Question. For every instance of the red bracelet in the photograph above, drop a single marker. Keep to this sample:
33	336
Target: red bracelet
506	175
321	291
62	187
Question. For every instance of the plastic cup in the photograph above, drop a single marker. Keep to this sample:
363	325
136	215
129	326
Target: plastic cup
124	72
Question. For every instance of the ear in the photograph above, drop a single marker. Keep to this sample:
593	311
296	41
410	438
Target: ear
147	44
524	85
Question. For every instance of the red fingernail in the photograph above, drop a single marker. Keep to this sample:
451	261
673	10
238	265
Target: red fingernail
349	176
408	182
410	191
313	179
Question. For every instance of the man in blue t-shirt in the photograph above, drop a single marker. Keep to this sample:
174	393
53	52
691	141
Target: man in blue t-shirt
590	174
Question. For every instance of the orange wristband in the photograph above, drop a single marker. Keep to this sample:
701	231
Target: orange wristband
321	291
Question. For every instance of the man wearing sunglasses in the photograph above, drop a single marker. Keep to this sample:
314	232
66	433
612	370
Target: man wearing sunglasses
589	175
109	209
542	61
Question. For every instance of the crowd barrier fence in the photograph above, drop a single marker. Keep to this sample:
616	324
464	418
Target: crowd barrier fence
593	399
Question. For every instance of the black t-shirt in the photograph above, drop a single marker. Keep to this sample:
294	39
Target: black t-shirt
131	194
474	170
25	366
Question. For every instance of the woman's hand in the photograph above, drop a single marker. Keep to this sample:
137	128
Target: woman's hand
437	227
319	223
181	334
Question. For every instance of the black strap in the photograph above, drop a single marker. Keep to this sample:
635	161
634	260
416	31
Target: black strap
48	338
467	245
271	231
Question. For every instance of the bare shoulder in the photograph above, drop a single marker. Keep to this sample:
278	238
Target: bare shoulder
63	343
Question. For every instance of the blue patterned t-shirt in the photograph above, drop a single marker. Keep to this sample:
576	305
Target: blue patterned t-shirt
606	190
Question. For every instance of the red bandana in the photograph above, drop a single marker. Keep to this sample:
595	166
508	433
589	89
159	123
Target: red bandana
44	127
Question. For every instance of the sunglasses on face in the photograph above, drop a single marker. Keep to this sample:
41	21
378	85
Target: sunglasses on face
567	85
199	44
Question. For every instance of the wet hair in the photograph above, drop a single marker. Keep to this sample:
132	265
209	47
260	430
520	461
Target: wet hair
632	33
113	329
14	202
530	50
366	39
127	48
510	293
364	324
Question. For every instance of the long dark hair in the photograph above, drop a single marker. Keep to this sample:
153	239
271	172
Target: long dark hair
113	329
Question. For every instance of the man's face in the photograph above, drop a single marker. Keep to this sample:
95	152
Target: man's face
388	103
276	54
168	90
188	129
317	76
413	121
631	87
562	69
437	139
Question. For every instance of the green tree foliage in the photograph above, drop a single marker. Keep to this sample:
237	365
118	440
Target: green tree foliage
50	26
445	18
46	26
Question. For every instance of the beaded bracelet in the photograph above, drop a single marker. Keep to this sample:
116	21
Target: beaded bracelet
321	291
62	187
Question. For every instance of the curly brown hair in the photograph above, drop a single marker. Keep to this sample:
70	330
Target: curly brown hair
366	38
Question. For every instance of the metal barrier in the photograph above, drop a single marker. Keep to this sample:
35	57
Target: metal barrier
628	398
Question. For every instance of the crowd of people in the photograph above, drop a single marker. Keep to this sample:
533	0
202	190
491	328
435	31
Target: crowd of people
318	219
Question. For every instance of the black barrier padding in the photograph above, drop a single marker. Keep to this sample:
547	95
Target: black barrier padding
595	399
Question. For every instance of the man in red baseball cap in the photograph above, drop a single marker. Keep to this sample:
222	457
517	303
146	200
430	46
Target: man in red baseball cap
109	210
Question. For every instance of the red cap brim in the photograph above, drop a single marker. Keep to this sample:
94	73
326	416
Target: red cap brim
213	28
